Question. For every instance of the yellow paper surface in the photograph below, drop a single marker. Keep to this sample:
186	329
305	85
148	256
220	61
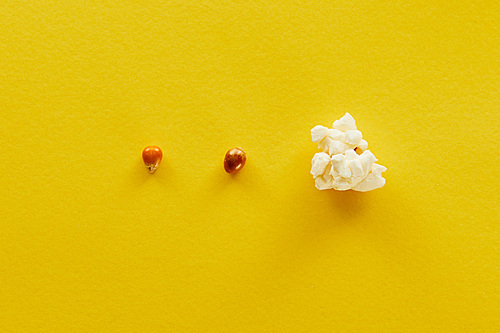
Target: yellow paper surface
89	241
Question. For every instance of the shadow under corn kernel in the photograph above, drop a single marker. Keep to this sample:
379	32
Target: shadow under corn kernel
141	176
245	180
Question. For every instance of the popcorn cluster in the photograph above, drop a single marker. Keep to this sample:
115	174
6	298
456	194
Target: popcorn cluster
345	162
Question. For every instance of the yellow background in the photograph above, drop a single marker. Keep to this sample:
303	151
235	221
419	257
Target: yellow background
89	241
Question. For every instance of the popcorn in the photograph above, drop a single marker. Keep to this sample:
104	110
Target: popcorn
337	147
341	184
345	123
367	159
319	161
322	184
353	137
335	134
363	145
318	133
339	166
356	168
350	154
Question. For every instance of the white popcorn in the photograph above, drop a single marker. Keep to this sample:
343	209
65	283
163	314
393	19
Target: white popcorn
337	147
363	145
345	123
318	133
356	168
325	144
341	184
319	164
378	169
374	179
350	154
367	159
322	184
339	166
335	134
371	182
325	181
353	137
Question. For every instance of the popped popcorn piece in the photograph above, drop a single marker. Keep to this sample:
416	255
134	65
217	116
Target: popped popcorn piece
341	184
363	145
318	133
339	166
325	180
345	123
325	144
353	137
350	154
367	159
378	169
356	168
319	164
371	182
336	135
322	184
337	147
